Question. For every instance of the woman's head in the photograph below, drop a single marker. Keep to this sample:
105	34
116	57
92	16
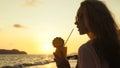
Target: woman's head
58	42
93	16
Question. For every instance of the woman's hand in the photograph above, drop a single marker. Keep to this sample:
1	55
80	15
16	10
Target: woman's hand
61	62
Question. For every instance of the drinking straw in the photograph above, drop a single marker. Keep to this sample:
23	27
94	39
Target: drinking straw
69	36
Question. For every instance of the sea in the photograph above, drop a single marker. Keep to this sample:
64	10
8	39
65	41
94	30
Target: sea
29	61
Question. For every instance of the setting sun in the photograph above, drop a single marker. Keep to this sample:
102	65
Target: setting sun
47	49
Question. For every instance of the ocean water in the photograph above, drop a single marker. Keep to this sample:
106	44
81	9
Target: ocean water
29	61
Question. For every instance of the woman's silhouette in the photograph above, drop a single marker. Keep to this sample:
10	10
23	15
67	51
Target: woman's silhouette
103	49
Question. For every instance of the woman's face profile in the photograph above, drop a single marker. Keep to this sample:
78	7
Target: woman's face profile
80	21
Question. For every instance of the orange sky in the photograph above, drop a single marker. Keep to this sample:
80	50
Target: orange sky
31	25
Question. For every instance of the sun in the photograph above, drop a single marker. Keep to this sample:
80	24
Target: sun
47	49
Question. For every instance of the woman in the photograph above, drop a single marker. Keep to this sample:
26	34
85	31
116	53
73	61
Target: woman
103	49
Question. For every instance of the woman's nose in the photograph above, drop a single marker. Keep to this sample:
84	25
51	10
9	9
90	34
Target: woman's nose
75	22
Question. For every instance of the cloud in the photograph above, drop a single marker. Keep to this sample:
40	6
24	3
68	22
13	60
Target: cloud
18	26
31	3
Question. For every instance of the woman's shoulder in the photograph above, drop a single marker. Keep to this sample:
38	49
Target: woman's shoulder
87	48
87	45
88	55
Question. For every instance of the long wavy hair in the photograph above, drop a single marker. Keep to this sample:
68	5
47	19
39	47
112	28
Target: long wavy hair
103	26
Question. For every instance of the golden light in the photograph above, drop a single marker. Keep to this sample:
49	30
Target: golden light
47	49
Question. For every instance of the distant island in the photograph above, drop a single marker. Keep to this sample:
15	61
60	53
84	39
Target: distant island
13	51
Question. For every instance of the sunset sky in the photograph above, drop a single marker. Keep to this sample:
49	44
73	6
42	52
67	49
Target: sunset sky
31	25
